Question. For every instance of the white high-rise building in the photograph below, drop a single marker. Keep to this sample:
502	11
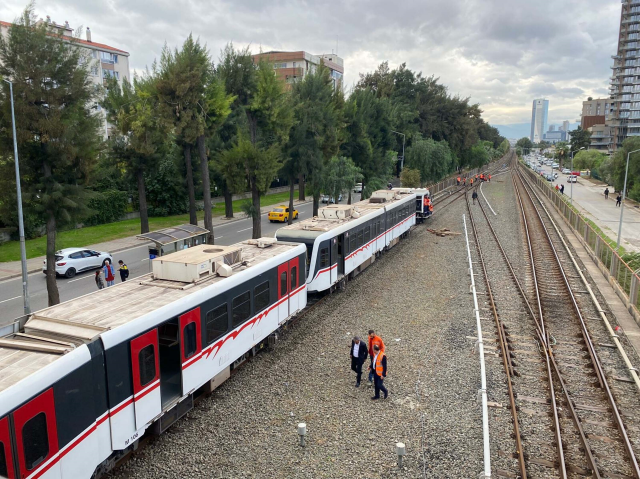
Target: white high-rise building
539	114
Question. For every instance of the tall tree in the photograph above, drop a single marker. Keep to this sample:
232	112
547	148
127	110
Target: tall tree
524	143
315	136
134	109
433	159
340	176
58	133
562	152
580	139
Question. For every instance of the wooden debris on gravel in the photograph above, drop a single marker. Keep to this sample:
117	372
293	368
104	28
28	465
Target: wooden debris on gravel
443	232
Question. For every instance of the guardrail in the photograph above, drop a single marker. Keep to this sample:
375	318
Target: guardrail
622	278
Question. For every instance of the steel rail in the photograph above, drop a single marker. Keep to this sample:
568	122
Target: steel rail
503	347
541	337
591	348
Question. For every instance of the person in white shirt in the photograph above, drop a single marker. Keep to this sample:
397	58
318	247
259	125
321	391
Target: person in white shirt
358	354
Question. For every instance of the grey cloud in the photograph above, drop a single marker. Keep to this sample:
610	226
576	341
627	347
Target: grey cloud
501	54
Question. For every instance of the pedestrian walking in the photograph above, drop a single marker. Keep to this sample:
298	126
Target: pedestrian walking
124	271
99	282
373	341
358	354
109	273
379	369
606	193
474	196
618	200
557	188
562	189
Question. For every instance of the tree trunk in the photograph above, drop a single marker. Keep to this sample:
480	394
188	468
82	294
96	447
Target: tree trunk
206	188
316	203
301	185
52	286
228	201
193	219
257	218
142	199
349	200
291	191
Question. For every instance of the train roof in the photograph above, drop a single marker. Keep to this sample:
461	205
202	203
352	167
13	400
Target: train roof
334	216
52	332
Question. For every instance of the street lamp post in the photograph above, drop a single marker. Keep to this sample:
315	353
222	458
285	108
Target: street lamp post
624	192
23	249
403	139
572	174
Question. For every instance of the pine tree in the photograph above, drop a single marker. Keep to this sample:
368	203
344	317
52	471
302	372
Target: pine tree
57	130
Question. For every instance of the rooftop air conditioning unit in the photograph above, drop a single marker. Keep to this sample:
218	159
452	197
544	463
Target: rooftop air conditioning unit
195	264
382	196
262	242
335	212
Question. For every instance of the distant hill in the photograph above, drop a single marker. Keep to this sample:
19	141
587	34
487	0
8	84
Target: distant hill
514	130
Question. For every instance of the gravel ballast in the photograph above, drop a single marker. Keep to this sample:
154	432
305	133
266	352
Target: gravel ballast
417	299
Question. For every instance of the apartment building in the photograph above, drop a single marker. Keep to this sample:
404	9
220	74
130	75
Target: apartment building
596	112
601	138
539	116
293	66
104	61
625	80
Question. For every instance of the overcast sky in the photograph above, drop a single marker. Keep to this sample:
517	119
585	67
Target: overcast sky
501	53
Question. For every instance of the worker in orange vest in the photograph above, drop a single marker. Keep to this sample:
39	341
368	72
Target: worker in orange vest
458	181
373	341
464	181
476	176
471	181
379	369
482	177
489	178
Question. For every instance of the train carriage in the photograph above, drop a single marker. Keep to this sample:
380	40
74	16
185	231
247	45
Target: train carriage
344	239
422	210
88	377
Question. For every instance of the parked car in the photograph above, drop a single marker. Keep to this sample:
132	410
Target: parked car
70	261
327	199
281	213
555	176
549	177
555	165
566	171
357	188
572	179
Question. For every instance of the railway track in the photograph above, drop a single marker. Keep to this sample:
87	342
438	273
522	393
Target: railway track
558	391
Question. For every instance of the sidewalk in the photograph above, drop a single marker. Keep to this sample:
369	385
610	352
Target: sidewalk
13	269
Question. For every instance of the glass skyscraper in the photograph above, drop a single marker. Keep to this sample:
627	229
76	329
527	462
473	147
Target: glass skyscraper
539	115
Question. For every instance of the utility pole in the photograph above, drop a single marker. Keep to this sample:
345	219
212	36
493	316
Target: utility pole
571	174
403	140
23	249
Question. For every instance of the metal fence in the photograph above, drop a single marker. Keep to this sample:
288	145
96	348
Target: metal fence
626	279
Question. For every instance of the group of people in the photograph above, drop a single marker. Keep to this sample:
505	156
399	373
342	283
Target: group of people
560	189
110	274
482	177
378	362
618	198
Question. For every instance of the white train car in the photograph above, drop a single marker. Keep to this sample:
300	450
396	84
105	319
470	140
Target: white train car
344	239
88	377
422	209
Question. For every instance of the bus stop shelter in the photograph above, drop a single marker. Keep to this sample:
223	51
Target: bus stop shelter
176	238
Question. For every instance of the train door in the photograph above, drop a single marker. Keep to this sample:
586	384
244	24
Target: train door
6	452
283	291
294	280
333	271
340	252
190	348
145	367
36	436
170	362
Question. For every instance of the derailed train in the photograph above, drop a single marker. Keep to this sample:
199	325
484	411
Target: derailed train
85	379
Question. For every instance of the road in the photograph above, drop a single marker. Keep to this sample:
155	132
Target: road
11	304
589	199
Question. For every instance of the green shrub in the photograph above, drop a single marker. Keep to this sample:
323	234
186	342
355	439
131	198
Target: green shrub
108	206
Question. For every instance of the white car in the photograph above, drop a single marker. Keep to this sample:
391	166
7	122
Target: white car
357	188
70	261
555	165
573	179
566	171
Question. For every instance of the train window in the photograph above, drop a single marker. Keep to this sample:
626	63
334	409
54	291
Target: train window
367	234
217	323
147	364
35	441
283	283
261	296
189	338
294	278
4	469
240	309
324	257
359	238
354	238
